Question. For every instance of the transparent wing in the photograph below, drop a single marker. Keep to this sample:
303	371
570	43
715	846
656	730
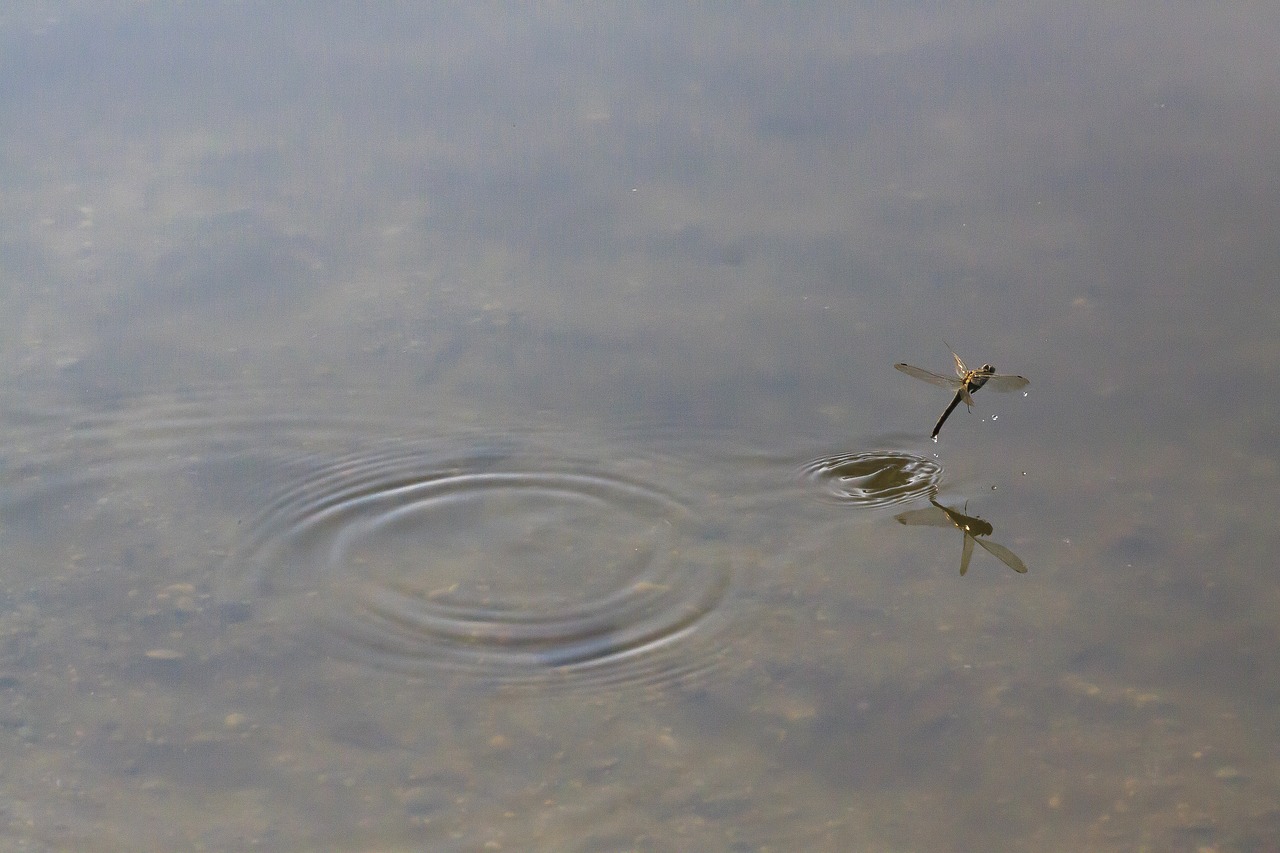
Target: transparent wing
1006	382
1004	555
930	517
932	378
967	553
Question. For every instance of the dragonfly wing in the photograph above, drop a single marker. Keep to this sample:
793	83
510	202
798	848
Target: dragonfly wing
930	517
928	376
961	370
1006	382
967	553
1004	555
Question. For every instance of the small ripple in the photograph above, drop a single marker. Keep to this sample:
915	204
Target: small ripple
873	479
530	556
489	565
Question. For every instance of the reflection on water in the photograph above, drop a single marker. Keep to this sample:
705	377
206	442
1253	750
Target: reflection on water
971	528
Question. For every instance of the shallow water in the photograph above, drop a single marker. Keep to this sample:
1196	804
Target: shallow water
428	430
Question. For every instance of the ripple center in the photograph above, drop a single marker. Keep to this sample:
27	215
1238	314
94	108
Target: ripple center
873	478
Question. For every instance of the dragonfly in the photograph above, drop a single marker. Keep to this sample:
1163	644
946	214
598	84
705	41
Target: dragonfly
971	526
964	383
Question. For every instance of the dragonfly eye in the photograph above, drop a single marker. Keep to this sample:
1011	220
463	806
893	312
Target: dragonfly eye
988	368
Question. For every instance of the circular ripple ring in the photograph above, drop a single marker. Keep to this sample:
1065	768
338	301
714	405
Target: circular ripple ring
873	479
476	565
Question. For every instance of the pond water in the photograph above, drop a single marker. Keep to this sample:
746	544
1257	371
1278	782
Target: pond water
443	428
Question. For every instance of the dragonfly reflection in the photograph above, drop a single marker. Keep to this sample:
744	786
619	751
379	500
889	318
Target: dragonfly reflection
971	526
964	383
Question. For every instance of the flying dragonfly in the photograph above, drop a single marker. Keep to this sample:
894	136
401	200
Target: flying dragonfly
964	383
971	526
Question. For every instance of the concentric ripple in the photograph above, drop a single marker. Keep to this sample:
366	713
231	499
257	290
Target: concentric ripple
873	479
535	555
496	565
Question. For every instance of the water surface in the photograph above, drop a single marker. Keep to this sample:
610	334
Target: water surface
477	429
